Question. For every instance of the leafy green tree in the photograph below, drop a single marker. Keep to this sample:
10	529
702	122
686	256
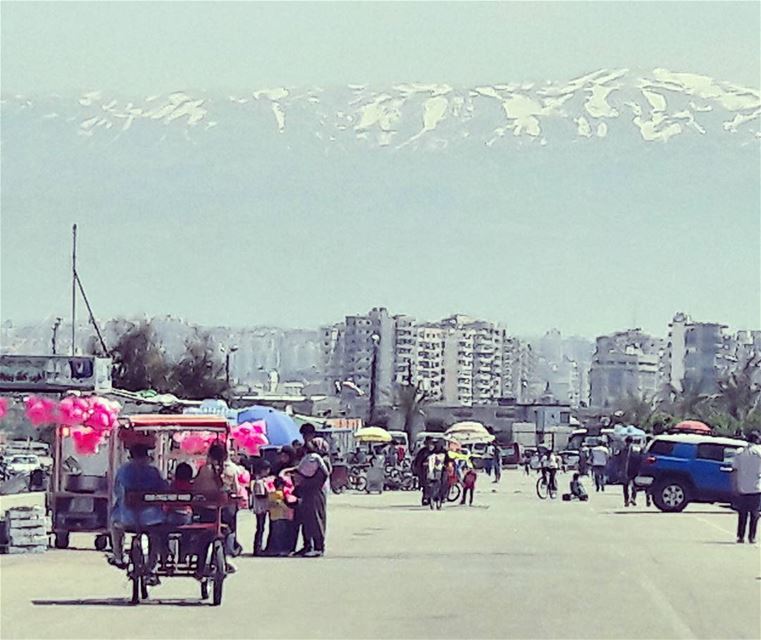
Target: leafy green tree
200	372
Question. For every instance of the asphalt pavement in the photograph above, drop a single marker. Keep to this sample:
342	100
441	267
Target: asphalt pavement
511	566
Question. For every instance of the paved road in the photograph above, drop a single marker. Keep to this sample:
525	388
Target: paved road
511	566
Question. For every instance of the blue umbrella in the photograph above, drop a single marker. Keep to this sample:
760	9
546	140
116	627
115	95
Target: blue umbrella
281	429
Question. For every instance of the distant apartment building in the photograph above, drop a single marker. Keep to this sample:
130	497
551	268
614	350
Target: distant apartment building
519	370
457	360
699	354
626	363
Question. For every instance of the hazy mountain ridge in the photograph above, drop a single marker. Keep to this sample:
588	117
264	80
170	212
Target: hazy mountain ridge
656	107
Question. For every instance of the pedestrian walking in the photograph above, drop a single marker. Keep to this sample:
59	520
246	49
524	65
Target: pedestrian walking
630	459
583	461
420	469
600	455
469	485
496	460
746	476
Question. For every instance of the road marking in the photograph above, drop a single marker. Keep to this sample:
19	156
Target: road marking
715	526
662	602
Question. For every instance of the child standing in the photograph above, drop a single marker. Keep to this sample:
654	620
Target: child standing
281	515
260	502
469	485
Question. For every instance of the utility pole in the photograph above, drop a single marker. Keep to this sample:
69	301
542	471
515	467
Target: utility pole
73	290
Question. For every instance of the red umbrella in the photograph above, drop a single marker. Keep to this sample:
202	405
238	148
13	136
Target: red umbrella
693	426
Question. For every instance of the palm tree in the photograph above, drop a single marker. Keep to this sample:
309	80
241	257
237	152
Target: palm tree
635	409
410	400
688	402
739	392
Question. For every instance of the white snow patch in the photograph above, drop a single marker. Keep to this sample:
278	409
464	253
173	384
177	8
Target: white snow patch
583	127
597	103
50	116
87	99
602	129
435	110
650	130
739	119
703	108
279	114
656	100
434	89
383	111
523	111
738	99
271	94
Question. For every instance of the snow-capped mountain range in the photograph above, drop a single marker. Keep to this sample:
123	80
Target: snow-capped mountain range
655	106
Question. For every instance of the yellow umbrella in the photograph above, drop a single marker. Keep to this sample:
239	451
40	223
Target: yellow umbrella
469	432
372	434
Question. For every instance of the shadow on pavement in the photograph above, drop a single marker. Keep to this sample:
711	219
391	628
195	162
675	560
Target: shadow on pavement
663	513
119	602
417	555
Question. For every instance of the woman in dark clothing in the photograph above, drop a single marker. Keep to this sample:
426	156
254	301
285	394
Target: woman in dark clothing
311	482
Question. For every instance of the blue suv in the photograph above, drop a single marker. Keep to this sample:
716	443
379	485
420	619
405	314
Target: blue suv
679	469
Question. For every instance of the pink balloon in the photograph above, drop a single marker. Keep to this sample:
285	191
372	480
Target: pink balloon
3	407
86	441
40	411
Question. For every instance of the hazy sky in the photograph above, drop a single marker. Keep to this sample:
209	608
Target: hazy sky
158	46
684	236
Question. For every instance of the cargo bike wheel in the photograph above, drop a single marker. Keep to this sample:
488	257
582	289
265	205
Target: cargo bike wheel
218	570
137	571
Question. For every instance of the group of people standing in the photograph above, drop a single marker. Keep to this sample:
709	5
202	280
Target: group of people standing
290	497
437	470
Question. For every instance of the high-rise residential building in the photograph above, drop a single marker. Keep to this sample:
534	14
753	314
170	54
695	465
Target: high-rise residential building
519	370
625	364
457	360
367	338
699	354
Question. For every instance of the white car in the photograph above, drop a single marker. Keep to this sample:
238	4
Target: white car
22	463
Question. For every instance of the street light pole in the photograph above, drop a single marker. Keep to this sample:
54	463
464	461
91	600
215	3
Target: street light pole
228	355
373	375
55	333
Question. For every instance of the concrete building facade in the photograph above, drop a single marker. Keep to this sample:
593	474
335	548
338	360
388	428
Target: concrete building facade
625	363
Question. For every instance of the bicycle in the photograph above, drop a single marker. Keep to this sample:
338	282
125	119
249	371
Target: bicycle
546	489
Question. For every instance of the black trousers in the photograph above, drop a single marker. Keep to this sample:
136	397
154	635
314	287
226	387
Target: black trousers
467	492
261	523
748	505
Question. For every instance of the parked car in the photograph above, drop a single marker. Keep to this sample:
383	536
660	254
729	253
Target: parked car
570	459
22	463
684	468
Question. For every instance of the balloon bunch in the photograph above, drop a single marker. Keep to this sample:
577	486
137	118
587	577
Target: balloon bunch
40	410
251	436
3	407
194	443
93	418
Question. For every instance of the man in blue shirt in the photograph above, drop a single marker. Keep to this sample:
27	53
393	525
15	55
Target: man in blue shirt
136	475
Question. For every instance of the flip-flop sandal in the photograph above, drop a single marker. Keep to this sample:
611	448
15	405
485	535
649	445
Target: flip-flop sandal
119	564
